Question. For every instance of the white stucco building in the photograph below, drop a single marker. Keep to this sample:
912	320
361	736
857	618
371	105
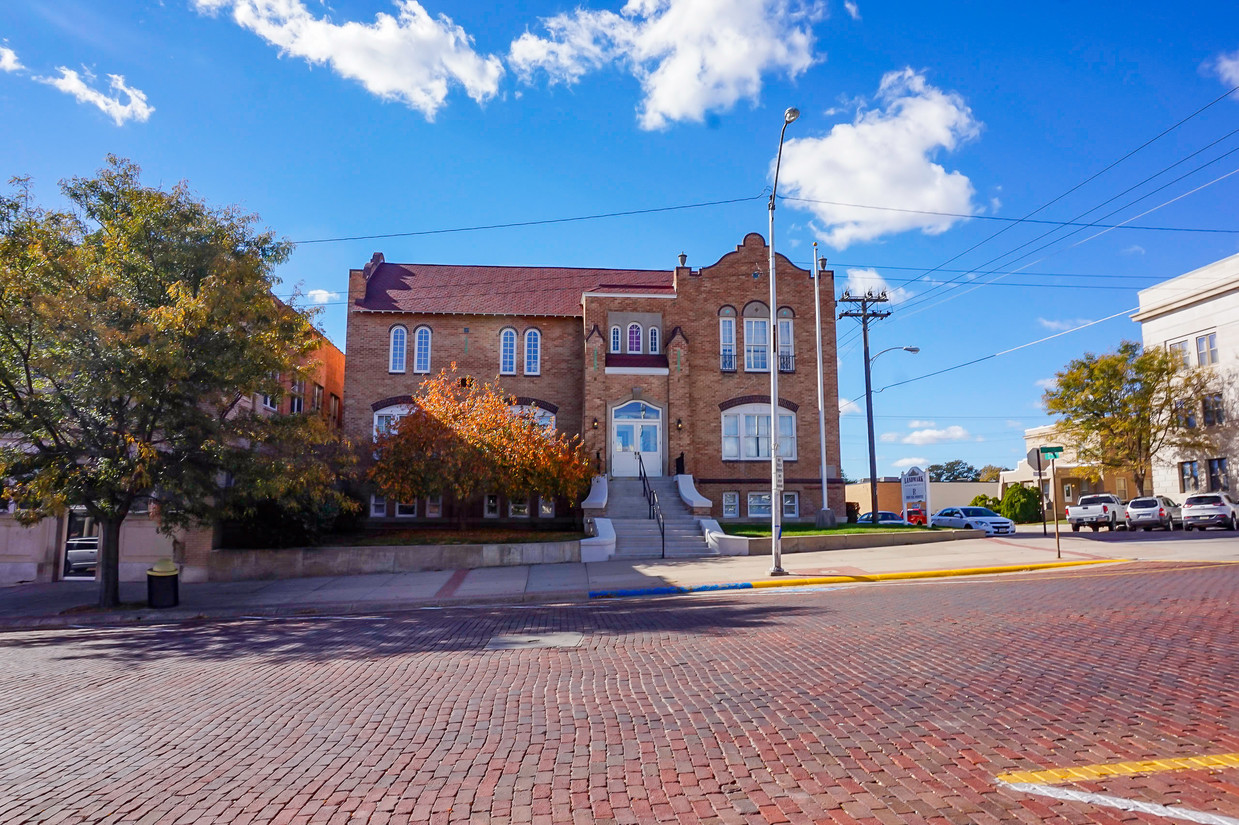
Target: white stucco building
1196	316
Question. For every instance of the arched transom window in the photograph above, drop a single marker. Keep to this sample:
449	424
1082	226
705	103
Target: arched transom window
507	352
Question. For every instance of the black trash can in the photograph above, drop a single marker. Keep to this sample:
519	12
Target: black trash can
163	584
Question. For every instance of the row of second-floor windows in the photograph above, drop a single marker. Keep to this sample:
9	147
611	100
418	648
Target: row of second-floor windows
1211	406
398	351
1206	350
756	343
636	340
1217	475
297	400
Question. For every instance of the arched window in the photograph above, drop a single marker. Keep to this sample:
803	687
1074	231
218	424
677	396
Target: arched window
421	349
756	337
507	352
654	341
746	433
787	349
396	350
727	339
533	352
634	338
615	339
386	419
545	417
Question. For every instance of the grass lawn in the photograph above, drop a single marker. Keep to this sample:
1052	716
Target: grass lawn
473	536
763	529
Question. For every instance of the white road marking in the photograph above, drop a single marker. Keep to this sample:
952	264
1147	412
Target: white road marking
1203	817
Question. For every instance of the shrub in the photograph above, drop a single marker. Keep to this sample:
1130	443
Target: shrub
1021	504
986	501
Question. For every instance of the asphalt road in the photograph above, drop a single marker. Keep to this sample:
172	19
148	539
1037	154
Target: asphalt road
898	703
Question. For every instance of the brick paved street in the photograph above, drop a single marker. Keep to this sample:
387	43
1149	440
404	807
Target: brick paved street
873	703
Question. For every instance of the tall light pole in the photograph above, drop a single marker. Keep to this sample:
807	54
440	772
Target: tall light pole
873	457
776	489
825	518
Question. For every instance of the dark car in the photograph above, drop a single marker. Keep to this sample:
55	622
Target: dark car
885	518
81	556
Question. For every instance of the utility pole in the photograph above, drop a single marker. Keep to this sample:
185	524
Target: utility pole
865	313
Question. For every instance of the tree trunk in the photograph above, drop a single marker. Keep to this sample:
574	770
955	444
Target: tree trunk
1139	479
109	563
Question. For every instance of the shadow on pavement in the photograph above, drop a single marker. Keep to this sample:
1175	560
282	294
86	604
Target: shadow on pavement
312	639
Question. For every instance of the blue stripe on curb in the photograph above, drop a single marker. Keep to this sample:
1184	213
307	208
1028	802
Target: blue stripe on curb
669	590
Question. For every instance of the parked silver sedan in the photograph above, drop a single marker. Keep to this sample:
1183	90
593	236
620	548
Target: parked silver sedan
1153	511
973	518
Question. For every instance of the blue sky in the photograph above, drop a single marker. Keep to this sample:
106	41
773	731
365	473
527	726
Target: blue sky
365	117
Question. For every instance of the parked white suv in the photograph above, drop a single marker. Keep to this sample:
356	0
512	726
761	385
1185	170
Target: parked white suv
1210	510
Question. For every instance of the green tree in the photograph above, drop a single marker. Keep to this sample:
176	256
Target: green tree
985	501
131	329
1118	410
990	472
1021	504
957	470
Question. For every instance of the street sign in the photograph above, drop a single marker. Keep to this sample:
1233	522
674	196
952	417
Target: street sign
1051	452
778	474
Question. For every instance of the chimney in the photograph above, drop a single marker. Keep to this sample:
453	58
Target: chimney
375	260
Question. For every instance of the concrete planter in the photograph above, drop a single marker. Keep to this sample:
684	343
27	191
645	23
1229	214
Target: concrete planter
853	541
300	562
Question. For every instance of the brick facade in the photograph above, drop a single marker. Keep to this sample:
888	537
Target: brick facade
586	381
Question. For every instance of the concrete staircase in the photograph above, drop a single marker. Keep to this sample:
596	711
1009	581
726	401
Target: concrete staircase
636	534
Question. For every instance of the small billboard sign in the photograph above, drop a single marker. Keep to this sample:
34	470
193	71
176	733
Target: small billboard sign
914	487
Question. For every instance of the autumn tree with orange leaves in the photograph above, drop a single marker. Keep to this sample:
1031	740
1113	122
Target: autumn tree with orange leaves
463	438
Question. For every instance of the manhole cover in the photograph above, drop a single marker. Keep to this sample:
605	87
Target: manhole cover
523	641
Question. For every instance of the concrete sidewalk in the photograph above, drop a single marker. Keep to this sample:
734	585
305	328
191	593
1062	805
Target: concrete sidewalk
69	603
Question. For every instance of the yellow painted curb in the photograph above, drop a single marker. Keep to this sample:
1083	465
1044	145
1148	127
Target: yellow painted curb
928	574
1086	772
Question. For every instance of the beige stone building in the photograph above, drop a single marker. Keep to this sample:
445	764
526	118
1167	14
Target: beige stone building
1074	479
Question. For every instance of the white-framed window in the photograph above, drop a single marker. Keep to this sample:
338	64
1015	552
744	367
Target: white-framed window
634	338
421	349
398	347
434	507
296	399
317	402
1206	349
654	342
378	507
268	402
1178	351
533	352
746	433
385	420
1069	492
518	508
727	342
787	352
507	352
545	417
546	507
490	505
759	505
756	345
791	505
406	509
731	505
615	339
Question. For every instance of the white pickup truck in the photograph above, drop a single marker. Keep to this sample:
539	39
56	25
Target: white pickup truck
1096	511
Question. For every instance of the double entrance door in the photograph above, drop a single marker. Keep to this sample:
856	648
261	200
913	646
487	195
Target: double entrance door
636	429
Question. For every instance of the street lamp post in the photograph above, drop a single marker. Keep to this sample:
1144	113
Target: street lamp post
776	491
873	456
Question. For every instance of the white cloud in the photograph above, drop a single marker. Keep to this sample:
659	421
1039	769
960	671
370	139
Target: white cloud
1227	68
9	61
910	462
411	57
846	407
1063	324
917	425
889	438
885	158
321	296
1046	383
929	436
70	82
861	281
1134	249
853	9
1015	425
690	56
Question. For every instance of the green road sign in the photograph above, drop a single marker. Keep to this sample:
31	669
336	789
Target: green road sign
1051	452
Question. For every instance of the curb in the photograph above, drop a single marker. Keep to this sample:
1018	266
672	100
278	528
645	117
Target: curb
812	580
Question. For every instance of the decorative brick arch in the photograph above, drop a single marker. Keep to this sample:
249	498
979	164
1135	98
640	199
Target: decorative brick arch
757	399
526	401
391	402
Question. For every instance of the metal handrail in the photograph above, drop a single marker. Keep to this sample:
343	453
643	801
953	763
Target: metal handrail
651	498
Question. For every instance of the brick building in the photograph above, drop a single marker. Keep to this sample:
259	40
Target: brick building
669	364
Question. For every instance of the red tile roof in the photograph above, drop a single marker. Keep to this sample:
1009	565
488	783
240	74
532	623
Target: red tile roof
500	290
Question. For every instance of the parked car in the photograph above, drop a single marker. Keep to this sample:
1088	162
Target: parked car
1205	510
81	556
974	518
915	515
1153	511
1096	511
885	519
